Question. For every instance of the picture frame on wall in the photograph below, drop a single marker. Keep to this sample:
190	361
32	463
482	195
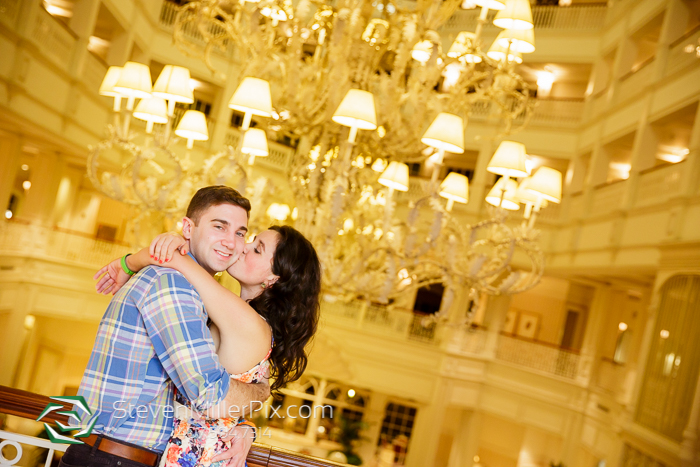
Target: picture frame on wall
509	324
528	325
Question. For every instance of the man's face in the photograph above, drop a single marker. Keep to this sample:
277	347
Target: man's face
218	238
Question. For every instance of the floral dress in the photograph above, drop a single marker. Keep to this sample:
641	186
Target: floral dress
196	438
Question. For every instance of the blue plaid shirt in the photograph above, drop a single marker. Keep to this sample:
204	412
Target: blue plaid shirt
153	338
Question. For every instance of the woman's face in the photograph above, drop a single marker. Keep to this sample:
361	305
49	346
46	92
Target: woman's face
254	267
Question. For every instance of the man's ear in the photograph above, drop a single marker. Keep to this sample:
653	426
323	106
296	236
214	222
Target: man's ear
187	226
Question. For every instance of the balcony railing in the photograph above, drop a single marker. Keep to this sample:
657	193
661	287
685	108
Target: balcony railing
396	322
539	356
280	156
635	81
168	13
608	198
18	238
683	51
558	111
28	405
53	38
659	184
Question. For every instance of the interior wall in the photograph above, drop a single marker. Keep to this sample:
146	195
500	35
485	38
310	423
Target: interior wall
547	301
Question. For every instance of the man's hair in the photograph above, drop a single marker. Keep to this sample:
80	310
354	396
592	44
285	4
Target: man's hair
214	196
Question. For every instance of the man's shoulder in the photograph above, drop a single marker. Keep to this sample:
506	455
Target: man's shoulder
160	277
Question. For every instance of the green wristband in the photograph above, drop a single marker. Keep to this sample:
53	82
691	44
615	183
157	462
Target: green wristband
125	267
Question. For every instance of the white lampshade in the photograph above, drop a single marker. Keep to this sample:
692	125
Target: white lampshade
516	15
461	46
546	182
491	4
134	81
253	96
421	51
152	110
357	110
498	52
521	40
193	126
526	196
509	159
255	143
510	201
108	82
455	187
173	84
446	132
395	176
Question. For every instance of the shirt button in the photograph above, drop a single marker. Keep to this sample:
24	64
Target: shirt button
119	462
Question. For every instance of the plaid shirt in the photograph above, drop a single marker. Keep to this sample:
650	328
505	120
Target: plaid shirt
153	338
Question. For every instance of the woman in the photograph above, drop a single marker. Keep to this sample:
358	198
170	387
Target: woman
280	277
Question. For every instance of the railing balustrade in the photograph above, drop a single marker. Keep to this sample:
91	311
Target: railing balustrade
554	111
607	198
659	184
634	82
539	356
168	13
53	38
44	242
684	52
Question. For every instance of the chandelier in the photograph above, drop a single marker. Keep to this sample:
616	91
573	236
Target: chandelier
357	83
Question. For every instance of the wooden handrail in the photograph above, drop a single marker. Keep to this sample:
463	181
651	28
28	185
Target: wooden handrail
29	405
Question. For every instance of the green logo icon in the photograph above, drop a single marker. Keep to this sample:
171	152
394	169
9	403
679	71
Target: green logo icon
80	404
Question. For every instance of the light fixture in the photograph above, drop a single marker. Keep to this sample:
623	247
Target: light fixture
509	160
351	393
462	48
26	184
455	188
173	85
498	52
252	97
395	177
622	326
529	198
516	15
507	200
545	80
356	111
25	167
546	182
672	154
491	4
446	133
193	127
421	51
134	81
8	214
255	144
278	212
664	334
520	40
107	86
153	110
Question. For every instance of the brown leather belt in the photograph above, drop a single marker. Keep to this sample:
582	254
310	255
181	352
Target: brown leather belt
110	446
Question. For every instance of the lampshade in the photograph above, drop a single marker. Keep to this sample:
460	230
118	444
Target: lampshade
108	82
357	110
526	196
455	187
422	51
446	132
521	40
255	143
152	110
516	15
461	46
546	182
253	96
491	4
134	81
510	202
498	52
193	125
395	176
173	84
509	159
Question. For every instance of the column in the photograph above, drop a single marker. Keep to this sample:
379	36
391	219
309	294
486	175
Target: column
45	178
590	349
12	330
120	48
465	444
597	174
643	154
675	22
312	427
496	310
374	415
9	161
427	428
83	24
690	448
691	173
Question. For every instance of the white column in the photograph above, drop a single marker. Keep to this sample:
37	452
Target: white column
12	331
425	437
465	444
83	24
675	23
314	422
374	415
590	349
691	173
496	310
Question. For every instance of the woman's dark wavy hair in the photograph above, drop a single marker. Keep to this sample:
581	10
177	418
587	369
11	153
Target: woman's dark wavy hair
291	305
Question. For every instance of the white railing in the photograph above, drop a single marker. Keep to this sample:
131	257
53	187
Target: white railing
635	82
538	356
53	38
417	188
398	323
280	157
558	111
95	70
658	185
683	52
168	13
16	440
576	18
42	242
9	11
611	376
607	198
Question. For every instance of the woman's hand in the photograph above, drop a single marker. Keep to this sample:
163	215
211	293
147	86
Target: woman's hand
163	247
113	278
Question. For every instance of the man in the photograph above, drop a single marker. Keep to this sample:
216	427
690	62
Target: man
153	339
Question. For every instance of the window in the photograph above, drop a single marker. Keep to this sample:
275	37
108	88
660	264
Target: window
414	169
396	430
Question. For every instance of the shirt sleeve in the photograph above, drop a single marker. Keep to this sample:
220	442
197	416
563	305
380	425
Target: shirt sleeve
174	318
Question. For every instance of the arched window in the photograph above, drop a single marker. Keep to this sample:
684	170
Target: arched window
672	368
